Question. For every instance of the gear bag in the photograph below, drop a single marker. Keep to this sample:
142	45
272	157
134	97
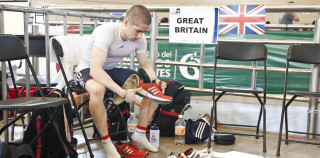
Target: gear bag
47	145
197	131
166	115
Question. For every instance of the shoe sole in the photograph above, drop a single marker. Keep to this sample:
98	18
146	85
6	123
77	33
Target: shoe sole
144	93
133	156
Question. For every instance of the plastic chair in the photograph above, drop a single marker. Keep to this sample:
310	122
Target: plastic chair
12	48
78	89
308	54
248	52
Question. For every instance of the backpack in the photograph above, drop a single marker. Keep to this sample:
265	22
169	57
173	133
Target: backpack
47	145
166	115
114	121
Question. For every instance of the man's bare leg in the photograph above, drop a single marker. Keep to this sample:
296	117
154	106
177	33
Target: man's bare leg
99	115
139	136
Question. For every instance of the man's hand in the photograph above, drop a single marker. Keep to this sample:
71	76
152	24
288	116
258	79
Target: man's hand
163	85
131	96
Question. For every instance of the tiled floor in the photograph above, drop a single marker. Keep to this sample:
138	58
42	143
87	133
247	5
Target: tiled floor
244	147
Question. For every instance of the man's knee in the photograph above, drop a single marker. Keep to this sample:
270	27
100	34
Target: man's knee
96	97
98	91
95	90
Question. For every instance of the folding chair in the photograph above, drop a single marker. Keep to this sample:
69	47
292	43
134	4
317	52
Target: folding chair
308	54
37	49
240	52
78	89
12	48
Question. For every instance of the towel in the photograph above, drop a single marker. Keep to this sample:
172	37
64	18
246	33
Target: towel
73	47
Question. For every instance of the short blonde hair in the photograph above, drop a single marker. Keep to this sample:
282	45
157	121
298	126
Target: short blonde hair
139	13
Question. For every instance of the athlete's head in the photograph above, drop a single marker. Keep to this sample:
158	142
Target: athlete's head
138	14
136	22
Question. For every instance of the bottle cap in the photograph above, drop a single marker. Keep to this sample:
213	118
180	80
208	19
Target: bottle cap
180	116
154	127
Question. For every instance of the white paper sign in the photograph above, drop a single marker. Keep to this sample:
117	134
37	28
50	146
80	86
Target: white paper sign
193	25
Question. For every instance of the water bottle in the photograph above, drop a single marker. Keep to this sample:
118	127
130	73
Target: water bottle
132	123
154	135
180	130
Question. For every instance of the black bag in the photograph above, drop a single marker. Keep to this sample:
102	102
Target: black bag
224	139
47	145
197	131
166	115
114	122
1	89
13	151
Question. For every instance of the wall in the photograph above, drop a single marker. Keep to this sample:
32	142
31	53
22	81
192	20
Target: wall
13	21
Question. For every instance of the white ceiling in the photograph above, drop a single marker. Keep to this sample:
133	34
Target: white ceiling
163	3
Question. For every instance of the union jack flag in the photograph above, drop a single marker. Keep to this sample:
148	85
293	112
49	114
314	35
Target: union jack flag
242	19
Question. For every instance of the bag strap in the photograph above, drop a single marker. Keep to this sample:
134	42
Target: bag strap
169	113
39	142
65	120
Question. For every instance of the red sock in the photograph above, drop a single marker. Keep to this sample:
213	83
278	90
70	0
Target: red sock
105	137
142	128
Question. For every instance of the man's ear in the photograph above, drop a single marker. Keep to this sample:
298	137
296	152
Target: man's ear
125	21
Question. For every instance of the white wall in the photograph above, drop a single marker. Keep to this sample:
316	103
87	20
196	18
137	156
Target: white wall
243	113
13	21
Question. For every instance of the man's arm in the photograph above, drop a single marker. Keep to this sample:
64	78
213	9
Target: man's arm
98	74
296	17
145	64
98	57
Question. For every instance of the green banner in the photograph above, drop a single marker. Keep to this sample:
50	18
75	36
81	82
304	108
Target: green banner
189	76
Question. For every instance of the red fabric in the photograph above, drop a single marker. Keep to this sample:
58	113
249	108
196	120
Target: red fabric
169	113
125	112
57	67
169	81
142	128
12	93
105	137
38	128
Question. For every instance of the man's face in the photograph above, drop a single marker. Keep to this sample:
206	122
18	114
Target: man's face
134	32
